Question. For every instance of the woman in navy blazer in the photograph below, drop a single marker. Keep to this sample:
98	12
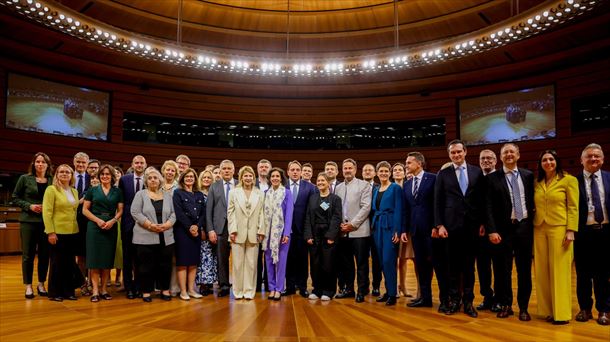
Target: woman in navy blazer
387	211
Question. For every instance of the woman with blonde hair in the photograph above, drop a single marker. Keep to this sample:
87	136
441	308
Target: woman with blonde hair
245	217
207	273
169	170
59	207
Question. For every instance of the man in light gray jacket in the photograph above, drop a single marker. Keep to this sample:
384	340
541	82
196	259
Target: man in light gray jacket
355	196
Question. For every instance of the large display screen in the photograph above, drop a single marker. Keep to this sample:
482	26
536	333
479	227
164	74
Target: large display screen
527	114
49	107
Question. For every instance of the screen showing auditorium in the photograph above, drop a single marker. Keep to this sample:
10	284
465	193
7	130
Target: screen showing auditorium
48	107
526	114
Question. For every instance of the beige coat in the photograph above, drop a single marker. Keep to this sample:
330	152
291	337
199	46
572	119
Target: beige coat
245	217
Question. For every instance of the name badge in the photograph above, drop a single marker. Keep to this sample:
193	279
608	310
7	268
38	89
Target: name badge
324	206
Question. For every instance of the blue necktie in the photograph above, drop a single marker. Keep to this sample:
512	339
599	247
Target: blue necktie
462	180
598	212
416	187
514	184
227	192
80	186
295	192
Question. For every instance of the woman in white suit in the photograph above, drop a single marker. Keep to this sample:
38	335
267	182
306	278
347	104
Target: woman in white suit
245	217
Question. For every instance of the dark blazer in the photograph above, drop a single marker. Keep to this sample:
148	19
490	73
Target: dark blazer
419	211
26	194
306	190
499	205
389	215
216	207
583	207
127	185
188	213
334	216
453	209
87	181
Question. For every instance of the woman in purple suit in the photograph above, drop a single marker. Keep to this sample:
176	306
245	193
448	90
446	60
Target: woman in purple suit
278	224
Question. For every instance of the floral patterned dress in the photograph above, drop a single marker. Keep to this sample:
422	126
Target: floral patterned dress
208	263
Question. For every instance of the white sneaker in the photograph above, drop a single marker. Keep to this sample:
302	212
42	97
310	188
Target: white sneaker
325	298
313	296
195	295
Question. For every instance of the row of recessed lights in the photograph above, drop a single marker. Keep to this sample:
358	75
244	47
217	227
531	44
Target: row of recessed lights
45	14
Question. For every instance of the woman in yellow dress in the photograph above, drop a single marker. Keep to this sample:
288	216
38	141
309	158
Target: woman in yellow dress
555	221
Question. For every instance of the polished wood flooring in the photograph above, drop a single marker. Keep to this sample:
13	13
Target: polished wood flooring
293	318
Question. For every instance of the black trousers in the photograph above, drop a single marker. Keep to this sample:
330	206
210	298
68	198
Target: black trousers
484	266
440	262
64	275
34	240
375	263
592	268
347	250
422	247
519	245
261	269
297	267
323	274
154	266
130	269
461	245
223	251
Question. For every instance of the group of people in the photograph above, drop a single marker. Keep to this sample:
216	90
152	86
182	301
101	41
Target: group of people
178	229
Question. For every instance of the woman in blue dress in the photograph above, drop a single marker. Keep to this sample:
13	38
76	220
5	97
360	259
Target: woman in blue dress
189	206
207	268
387	210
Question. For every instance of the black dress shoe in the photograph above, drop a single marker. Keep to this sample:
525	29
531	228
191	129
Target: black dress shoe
166	298
56	299
560	322
584	315
496	308
345	294
131	295
383	298
72	297
443	307
486	304
147	299
359	298
391	301
304	293
289	292
603	318
223	292
421	303
525	316
470	311
452	308
506	311
376	292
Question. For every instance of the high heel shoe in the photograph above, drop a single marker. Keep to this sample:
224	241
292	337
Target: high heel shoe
42	291
29	294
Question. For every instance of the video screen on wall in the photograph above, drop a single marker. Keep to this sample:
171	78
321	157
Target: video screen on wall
48	107
526	114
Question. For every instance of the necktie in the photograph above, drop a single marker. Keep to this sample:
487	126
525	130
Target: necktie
514	184
462	180
228	186
598	212
138	184
415	186
295	192
80	186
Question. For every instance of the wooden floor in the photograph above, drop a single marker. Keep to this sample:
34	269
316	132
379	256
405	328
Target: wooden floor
291	319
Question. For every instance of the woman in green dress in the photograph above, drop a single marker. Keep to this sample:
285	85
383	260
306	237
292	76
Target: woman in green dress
103	207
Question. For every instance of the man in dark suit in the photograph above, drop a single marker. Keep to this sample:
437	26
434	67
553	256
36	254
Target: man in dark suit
368	174
593	237
419	221
510	214
216	222
487	162
262	182
83	182
297	266
130	184
458	216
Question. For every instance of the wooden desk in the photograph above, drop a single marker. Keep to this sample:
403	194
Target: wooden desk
10	237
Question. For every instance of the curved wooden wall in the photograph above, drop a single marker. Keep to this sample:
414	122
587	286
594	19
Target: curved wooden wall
570	82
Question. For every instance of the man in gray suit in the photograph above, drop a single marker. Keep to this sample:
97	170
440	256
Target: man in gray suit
216	222
355	197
